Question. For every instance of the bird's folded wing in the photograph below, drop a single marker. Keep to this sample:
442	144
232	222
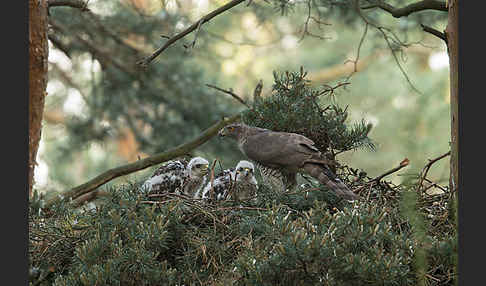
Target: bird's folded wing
280	149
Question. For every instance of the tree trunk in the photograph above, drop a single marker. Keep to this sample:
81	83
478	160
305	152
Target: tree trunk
453	50
38	53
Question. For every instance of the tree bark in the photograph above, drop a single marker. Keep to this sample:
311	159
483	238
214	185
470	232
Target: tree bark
453	51
38	53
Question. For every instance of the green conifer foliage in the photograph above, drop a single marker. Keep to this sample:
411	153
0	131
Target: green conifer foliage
299	238
295	106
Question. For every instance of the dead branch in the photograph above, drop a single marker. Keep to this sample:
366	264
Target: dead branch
389	37
111	174
330	89
306	25
355	61
426	169
434	32
403	164
56	42
235	96
69	3
145	61
79	201
409	9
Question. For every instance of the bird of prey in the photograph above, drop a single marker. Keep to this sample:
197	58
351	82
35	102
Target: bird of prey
281	155
236	183
179	177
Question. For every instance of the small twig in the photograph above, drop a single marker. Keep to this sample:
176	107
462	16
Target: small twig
306	24
432	277
426	169
332	88
387	38
197	33
235	96
432	184
172	40
403	164
355	61
88	197
434	32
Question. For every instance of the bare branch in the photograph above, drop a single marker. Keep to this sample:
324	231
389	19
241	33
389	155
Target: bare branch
306	25
330	89
111	174
355	62
197	33
235	96
81	200
56	42
434	32
426	169
409	9
388	38
403	164
147	60
70	3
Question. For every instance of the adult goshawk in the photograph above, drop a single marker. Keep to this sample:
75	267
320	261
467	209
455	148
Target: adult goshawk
281	155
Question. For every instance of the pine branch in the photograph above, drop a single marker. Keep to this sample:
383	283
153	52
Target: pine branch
111	174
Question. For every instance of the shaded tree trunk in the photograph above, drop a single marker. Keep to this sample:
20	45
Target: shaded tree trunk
453	50
38	53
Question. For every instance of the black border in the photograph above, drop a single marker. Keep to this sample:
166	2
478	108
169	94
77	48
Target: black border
470	193
15	118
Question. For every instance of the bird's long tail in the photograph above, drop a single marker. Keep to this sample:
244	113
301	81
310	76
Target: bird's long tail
326	177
